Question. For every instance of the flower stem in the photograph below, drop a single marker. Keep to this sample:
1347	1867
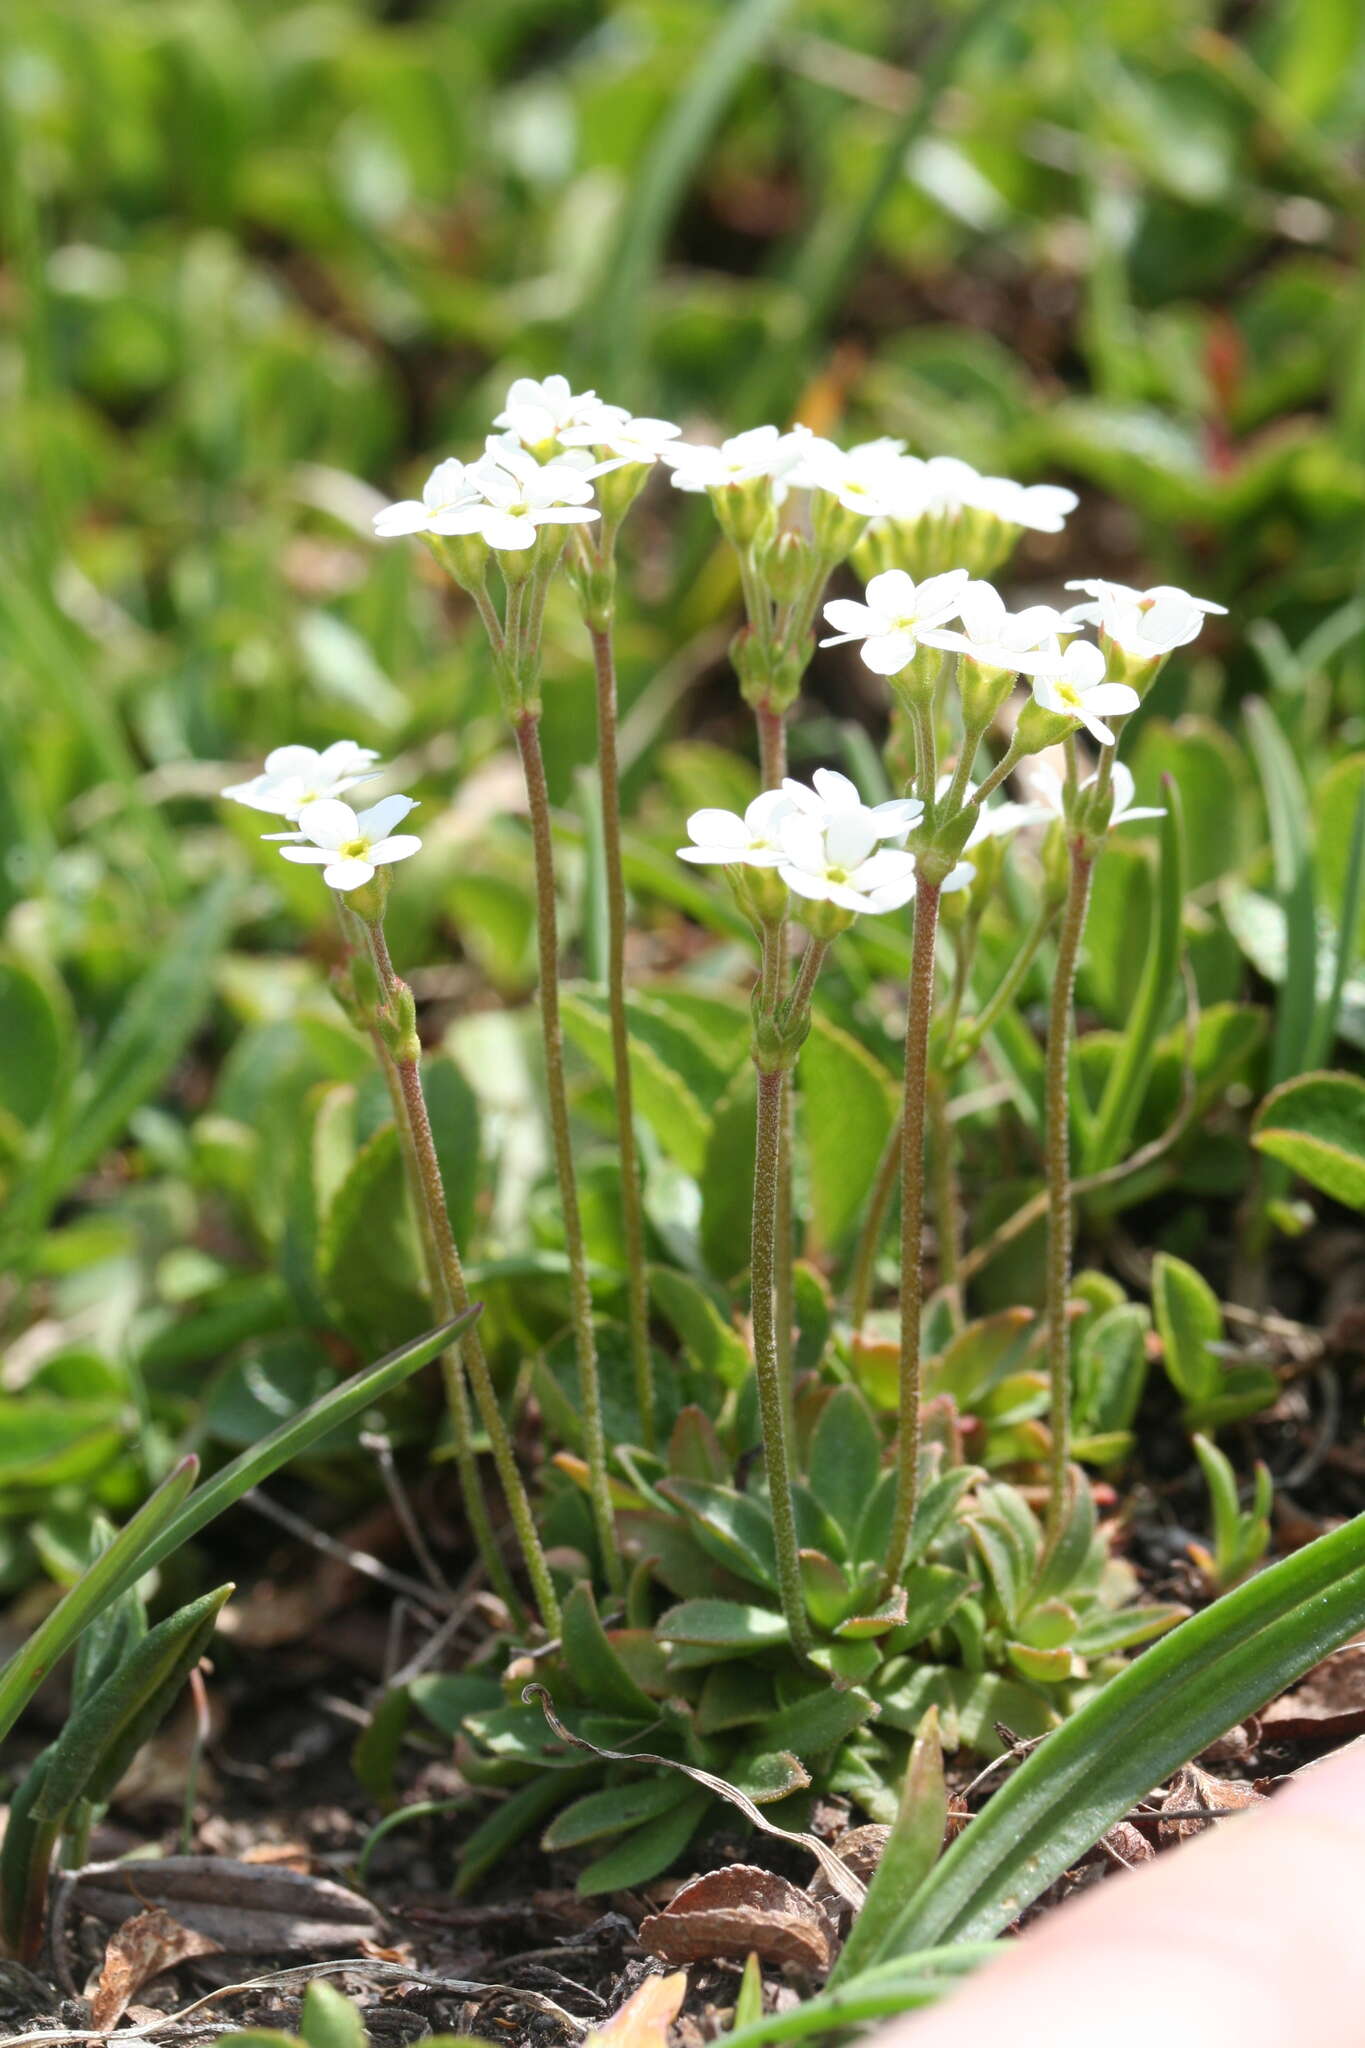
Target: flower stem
425	1177
771	723
1058	1161
527	728
632	1204
772	1405
919	1012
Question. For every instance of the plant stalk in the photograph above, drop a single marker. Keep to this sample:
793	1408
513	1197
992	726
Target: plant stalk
772	1403
632	1201
423	1168
919	1013
1058	1165
527	728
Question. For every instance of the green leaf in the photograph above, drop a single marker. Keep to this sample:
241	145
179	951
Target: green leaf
1316	1126
911	1851
847	1109
735	1530
845	1459
159	1017
596	1670
521	1811
114	1572
329	2020
710	1341
445	1697
1107	1139
1190	1322
1295	891
375	1751
662	1097
725	1626
616	1808
367	1253
649	1850
1111	1369
33	1035
727	1180
1183	1693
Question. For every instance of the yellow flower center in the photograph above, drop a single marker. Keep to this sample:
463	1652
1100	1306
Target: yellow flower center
1069	696
355	849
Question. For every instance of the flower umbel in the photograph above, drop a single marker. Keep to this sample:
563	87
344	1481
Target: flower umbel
349	847
450	485
1147	624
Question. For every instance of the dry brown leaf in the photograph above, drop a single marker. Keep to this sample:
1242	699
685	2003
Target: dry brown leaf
731	1912
279	1856
1127	1844
247	1909
1326	1706
1193	1792
138	1951
645	2018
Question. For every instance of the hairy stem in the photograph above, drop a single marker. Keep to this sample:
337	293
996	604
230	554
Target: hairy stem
772	1404
424	1170
527	728
919	1012
772	767
632	1202
1058	1162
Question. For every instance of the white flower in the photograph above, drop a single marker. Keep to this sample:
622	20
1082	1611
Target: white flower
993	821
863	479
838	858
543	409
1041	507
834	796
633	440
724	839
517	495
1073	684
1147	624
450	484
349	848
897	611
295	777
993	637
759	452
1124	812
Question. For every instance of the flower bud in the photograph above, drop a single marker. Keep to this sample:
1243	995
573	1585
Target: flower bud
369	899
463	556
741	509
822	920
984	692
836	531
1038	729
618	489
787	567
761	894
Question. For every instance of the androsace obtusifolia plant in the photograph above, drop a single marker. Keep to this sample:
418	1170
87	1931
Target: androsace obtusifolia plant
916	1535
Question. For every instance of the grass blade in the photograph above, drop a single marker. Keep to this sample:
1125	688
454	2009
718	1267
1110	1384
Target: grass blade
1289	811
609	336
1107	1141
113	1571
1176	1698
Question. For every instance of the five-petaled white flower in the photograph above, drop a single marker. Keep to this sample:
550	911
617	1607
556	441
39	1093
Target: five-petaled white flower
621	434
295	777
1147	624
863	479
724	839
1073	684
450	485
517	495
834	796
895	615
1043	508
542	409
759	452
349	847
837	857
992	636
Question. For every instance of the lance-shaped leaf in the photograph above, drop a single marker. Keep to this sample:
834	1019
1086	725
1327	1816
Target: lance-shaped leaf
1191	1687
91	1754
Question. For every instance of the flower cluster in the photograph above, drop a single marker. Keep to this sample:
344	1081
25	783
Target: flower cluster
825	843
305	787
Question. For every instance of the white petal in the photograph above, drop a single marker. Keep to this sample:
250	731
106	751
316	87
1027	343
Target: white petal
886	654
407	516
319	855
504	530
852	620
803	842
884	868
892	593
348	874
383	816
718	828
762	815
329	823
850	837
401	847
836	791
1112	698
816	888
